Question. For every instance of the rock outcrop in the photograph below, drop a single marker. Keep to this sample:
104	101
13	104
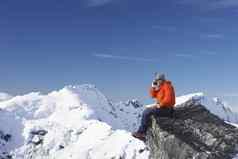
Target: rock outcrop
4	139
192	133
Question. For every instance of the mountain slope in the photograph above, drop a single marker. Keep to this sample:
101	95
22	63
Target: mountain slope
71	122
193	132
216	105
4	96
74	122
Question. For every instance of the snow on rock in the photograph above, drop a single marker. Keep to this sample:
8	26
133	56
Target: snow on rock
74	122
99	141
130	114
190	97
236	125
236	157
215	105
10	125
226	113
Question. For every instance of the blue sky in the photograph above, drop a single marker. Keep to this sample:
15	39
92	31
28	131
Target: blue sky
118	45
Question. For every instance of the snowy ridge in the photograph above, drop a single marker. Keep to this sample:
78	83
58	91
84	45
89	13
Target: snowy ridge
194	97
74	122
4	96
227	112
129	114
215	105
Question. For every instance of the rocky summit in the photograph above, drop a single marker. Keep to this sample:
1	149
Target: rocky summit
192	133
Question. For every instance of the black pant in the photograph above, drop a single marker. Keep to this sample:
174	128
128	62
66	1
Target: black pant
159	112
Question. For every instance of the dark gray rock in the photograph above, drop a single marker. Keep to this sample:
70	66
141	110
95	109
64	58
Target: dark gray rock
39	132
193	133
37	137
4	139
135	103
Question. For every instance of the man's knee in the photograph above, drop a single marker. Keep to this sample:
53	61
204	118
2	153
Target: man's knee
148	111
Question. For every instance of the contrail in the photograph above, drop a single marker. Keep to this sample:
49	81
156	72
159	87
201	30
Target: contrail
127	58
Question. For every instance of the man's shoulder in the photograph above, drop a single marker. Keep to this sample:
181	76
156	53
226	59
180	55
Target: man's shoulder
168	83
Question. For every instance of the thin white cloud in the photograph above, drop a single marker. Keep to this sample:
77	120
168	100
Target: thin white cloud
212	36
125	58
211	53
196	56
96	3
141	59
185	55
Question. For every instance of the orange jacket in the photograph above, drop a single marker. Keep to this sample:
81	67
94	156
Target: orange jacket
165	95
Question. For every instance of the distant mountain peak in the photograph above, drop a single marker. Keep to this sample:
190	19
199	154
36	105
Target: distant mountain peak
135	103
4	96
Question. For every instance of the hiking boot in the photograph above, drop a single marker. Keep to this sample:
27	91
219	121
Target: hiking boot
138	135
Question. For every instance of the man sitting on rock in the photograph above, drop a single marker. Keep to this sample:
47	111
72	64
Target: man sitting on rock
163	91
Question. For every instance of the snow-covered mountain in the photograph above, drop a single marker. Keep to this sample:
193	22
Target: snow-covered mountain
4	96
227	112
215	105
75	122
